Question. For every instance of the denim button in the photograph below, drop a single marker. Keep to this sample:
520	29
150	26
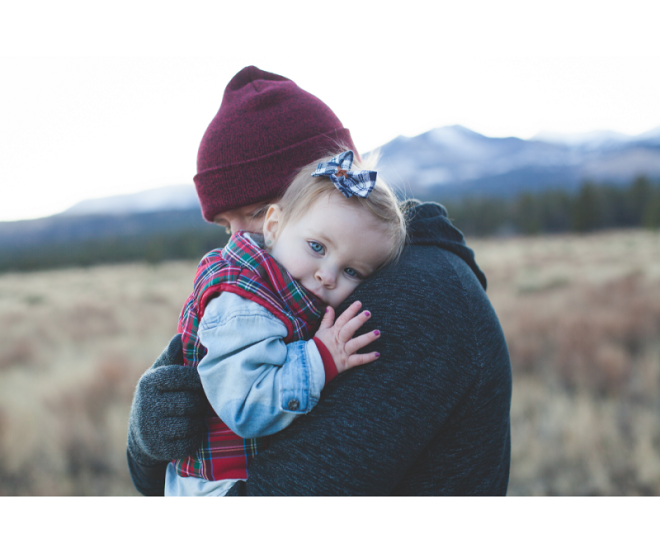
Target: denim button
293	404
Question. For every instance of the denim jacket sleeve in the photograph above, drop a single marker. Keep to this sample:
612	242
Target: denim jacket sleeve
255	382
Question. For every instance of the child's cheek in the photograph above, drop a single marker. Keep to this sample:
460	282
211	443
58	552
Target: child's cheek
347	291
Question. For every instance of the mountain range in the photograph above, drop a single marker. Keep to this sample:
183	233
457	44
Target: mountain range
453	162
444	164
177	197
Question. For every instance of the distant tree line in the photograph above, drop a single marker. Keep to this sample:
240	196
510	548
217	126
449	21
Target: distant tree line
592	207
186	244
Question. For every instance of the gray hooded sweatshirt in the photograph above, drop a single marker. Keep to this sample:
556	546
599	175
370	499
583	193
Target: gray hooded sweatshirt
429	417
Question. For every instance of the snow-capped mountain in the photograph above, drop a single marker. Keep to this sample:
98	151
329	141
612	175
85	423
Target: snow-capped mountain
651	137
455	161
587	140
168	198
450	155
598	139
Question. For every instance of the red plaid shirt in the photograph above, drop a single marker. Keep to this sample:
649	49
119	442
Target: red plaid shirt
250	272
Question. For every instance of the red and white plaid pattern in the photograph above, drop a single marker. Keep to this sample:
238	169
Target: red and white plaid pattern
249	271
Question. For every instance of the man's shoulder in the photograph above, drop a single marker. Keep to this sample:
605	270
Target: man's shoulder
435	273
431	295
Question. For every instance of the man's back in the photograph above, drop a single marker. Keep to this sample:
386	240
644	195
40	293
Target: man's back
431	417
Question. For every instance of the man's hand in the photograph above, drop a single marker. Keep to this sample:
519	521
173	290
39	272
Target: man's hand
338	337
168	410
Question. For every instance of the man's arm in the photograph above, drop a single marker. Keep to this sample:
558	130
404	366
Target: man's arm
166	420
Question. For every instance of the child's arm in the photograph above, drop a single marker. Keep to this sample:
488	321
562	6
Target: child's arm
255	382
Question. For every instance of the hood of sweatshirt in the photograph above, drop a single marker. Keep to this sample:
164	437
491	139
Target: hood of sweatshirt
428	225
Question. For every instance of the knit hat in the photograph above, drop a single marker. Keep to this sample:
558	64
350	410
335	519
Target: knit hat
267	128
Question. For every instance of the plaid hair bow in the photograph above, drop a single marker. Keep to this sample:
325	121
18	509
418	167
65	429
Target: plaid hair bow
349	183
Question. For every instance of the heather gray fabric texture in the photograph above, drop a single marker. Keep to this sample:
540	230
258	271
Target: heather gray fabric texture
166	420
431	416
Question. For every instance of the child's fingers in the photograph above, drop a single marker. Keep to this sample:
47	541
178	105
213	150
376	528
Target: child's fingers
347	315
346	332
359	342
361	359
328	318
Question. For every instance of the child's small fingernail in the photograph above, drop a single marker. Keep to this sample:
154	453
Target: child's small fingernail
327	309
377	332
367	314
377	354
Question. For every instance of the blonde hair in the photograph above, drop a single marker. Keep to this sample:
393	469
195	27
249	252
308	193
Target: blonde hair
305	190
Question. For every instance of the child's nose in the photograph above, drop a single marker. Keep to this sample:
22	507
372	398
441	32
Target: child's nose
326	277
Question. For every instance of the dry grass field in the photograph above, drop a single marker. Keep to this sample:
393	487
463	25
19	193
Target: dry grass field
73	345
581	315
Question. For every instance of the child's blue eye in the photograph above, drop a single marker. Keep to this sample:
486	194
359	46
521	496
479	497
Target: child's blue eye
352	273
316	247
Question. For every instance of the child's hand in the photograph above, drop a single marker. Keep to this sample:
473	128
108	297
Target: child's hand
338	337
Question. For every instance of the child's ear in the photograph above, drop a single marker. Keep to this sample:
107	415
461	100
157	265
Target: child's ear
272	223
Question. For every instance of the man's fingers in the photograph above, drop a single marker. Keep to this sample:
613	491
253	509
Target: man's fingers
347	315
184	404
328	318
361	359
170	378
181	446
359	342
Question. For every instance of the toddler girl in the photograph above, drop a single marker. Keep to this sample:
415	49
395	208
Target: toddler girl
251	325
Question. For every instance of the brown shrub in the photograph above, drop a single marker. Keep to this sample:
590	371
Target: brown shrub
19	353
592	338
84	430
86	320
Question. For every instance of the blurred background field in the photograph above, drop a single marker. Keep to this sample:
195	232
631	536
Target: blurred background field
581	314
73	346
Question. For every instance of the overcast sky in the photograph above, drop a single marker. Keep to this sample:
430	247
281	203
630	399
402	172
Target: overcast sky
100	102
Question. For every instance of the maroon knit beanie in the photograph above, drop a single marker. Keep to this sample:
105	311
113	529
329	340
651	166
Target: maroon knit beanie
267	128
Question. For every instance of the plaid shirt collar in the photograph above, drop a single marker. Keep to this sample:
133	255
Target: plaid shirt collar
247	250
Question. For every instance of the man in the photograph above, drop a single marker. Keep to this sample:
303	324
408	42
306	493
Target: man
430	417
